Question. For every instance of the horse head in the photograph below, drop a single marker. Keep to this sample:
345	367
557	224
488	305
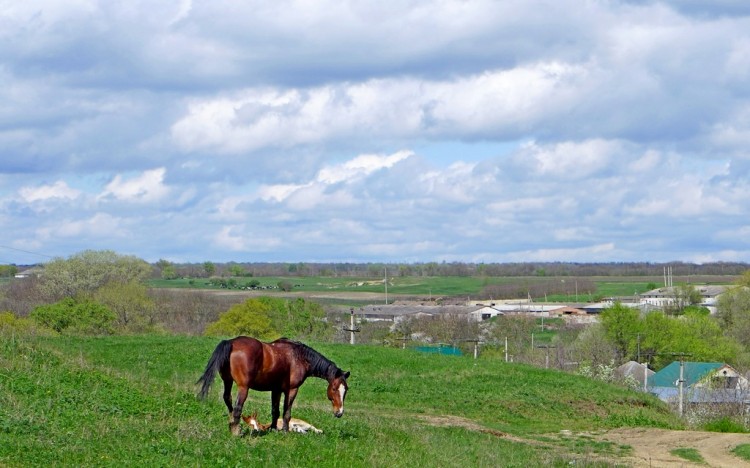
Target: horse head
252	421
337	389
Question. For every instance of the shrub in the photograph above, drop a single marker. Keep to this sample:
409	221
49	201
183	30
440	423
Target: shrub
249	318
69	315
8	321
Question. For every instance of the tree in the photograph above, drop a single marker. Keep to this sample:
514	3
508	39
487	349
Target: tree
8	271
237	270
85	272
297	318
685	295
209	268
733	314
592	348
248	318
133	308
169	272
622	325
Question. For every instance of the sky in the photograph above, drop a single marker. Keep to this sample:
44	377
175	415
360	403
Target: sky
371	131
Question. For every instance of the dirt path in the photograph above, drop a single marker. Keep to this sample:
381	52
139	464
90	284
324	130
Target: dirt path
651	447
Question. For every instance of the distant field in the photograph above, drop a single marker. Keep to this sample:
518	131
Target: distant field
130	401
433	287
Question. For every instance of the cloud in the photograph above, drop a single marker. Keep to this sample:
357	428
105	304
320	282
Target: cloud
146	188
59	189
352	130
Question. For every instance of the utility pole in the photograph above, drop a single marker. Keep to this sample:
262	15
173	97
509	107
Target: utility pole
385	282
681	381
546	359
506	349
352	329
476	346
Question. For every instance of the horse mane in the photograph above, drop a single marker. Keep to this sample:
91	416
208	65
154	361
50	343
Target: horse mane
319	365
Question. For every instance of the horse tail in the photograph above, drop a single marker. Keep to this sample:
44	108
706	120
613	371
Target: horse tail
218	359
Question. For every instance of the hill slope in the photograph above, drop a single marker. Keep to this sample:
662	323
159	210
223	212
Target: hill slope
131	400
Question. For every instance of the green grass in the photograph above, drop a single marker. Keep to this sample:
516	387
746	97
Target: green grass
725	424
131	400
742	451
433	286
689	454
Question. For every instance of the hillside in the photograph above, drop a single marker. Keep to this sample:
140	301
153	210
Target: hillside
131	400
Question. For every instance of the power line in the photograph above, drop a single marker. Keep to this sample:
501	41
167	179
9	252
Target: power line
26	251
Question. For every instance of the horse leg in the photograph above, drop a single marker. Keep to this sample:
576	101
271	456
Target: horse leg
228	392
234	424
275	400
288	401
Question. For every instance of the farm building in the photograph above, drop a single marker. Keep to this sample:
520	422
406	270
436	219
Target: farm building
703	382
665	297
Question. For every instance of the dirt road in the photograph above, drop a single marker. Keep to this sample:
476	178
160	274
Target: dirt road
651	447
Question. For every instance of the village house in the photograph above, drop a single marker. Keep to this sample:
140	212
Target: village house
703	382
662	298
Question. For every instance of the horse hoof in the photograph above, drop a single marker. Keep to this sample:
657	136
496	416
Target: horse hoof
235	429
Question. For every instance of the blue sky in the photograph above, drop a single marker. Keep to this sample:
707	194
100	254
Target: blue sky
475	131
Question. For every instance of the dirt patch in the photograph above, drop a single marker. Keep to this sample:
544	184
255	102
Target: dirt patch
456	421
651	447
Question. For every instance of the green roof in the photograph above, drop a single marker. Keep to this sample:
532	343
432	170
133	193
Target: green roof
693	372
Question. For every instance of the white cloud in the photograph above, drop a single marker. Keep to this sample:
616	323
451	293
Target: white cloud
147	187
59	189
281	137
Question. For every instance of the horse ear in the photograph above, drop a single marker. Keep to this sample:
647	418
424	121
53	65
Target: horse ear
346	374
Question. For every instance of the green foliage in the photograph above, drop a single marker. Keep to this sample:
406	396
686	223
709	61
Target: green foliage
621	325
85	272
267	318
248	318
298	318
689	454
70	315
725	424
733	313
130	303
742	451
209	268
285	285
9	322
8	271
169	272
656	335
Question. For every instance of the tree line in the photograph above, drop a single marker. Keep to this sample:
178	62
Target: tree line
169	270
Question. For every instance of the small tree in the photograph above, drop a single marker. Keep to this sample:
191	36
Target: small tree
131	304
249	318
209	268
69	315
622	325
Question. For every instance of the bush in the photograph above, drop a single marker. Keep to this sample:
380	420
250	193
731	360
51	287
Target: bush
9	322
249	318
69	315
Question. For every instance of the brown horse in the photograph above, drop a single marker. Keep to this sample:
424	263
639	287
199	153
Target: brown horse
277	367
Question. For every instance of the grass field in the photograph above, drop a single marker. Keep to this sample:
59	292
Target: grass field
131	401
434	287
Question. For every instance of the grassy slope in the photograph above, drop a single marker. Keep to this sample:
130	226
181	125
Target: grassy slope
130	400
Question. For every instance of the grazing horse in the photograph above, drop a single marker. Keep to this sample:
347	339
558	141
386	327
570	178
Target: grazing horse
277	367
